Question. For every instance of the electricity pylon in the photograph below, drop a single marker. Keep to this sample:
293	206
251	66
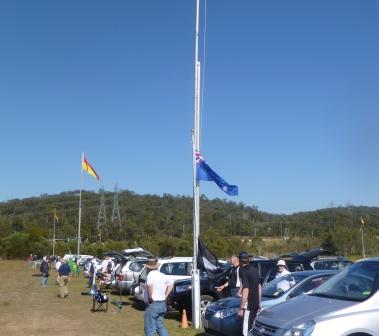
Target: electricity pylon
116	218
102	216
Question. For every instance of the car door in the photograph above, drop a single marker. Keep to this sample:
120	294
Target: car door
309	284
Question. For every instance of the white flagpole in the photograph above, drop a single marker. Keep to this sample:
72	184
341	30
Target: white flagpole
55	215
80	204
196	312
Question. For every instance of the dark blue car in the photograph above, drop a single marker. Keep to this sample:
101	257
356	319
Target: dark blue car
220	317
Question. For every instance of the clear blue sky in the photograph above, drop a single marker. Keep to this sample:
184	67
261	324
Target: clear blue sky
290	106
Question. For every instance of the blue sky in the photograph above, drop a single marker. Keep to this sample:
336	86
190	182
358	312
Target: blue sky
290	104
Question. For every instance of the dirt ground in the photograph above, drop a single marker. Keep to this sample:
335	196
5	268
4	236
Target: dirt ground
28	309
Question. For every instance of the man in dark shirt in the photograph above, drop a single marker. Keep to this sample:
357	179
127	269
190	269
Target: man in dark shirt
44	268
251	292
233	284
64	277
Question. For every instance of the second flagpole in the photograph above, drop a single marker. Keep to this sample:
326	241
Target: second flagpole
80	204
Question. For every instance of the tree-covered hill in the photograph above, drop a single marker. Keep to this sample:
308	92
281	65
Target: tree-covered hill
164	225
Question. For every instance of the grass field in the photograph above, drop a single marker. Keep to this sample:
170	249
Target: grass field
28	309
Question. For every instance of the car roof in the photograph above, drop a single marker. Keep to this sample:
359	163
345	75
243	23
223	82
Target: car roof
175	259
314	272
369	259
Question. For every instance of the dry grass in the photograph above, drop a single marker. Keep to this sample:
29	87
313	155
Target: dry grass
28	309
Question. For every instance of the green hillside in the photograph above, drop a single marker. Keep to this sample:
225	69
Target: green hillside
163	225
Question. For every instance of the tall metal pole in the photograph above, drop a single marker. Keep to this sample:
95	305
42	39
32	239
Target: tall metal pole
196	313
363	243
80	204
55	216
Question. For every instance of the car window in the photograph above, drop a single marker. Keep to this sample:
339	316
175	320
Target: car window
177	268
136	266
279	286
143	275
354	283
295	267
310	284
331	264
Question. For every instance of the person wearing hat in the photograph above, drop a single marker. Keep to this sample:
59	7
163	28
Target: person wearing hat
64	277
250	293
157	289
282	270
44	268
233	284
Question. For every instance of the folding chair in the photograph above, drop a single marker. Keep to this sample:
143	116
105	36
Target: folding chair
100	300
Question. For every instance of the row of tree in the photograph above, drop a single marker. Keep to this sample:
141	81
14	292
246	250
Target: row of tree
163	225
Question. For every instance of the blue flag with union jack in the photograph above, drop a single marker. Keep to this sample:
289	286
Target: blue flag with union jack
206	173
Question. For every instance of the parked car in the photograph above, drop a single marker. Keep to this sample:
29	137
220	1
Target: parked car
176	268
220	318
345	305
181	296
127	273
330	263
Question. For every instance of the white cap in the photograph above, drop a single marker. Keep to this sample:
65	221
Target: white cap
281	263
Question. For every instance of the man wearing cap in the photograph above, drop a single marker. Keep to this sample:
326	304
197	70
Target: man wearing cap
157	289
251	293
64	277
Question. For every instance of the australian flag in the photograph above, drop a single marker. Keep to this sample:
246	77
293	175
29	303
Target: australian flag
206	173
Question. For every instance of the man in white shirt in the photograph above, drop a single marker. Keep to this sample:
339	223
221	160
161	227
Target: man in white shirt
157	289
58	264
282	270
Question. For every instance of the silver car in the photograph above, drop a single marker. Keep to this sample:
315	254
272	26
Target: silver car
127	274
345	305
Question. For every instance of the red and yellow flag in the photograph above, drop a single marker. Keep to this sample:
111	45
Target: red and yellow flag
89	169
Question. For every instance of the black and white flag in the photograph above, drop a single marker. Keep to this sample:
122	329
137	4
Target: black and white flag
207	261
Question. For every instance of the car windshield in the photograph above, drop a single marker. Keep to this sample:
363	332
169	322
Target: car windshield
279	286
355	283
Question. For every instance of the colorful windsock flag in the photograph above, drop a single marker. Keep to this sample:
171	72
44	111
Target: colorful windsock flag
89	169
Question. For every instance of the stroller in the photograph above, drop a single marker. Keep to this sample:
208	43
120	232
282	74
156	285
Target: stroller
100	300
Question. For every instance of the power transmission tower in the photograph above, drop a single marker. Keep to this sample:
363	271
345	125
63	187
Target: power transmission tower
116	218
102	216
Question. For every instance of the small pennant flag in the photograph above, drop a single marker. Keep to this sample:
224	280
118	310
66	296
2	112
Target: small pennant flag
89	169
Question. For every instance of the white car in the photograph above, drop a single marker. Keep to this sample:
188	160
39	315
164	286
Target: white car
345	305
175	268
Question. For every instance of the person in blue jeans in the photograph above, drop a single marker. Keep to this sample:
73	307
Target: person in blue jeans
44	268
157	289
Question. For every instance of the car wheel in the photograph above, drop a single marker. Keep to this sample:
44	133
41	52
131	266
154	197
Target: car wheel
205	301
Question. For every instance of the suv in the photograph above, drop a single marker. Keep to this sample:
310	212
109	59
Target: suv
181	296
127	274
176	268
345	305
330	263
